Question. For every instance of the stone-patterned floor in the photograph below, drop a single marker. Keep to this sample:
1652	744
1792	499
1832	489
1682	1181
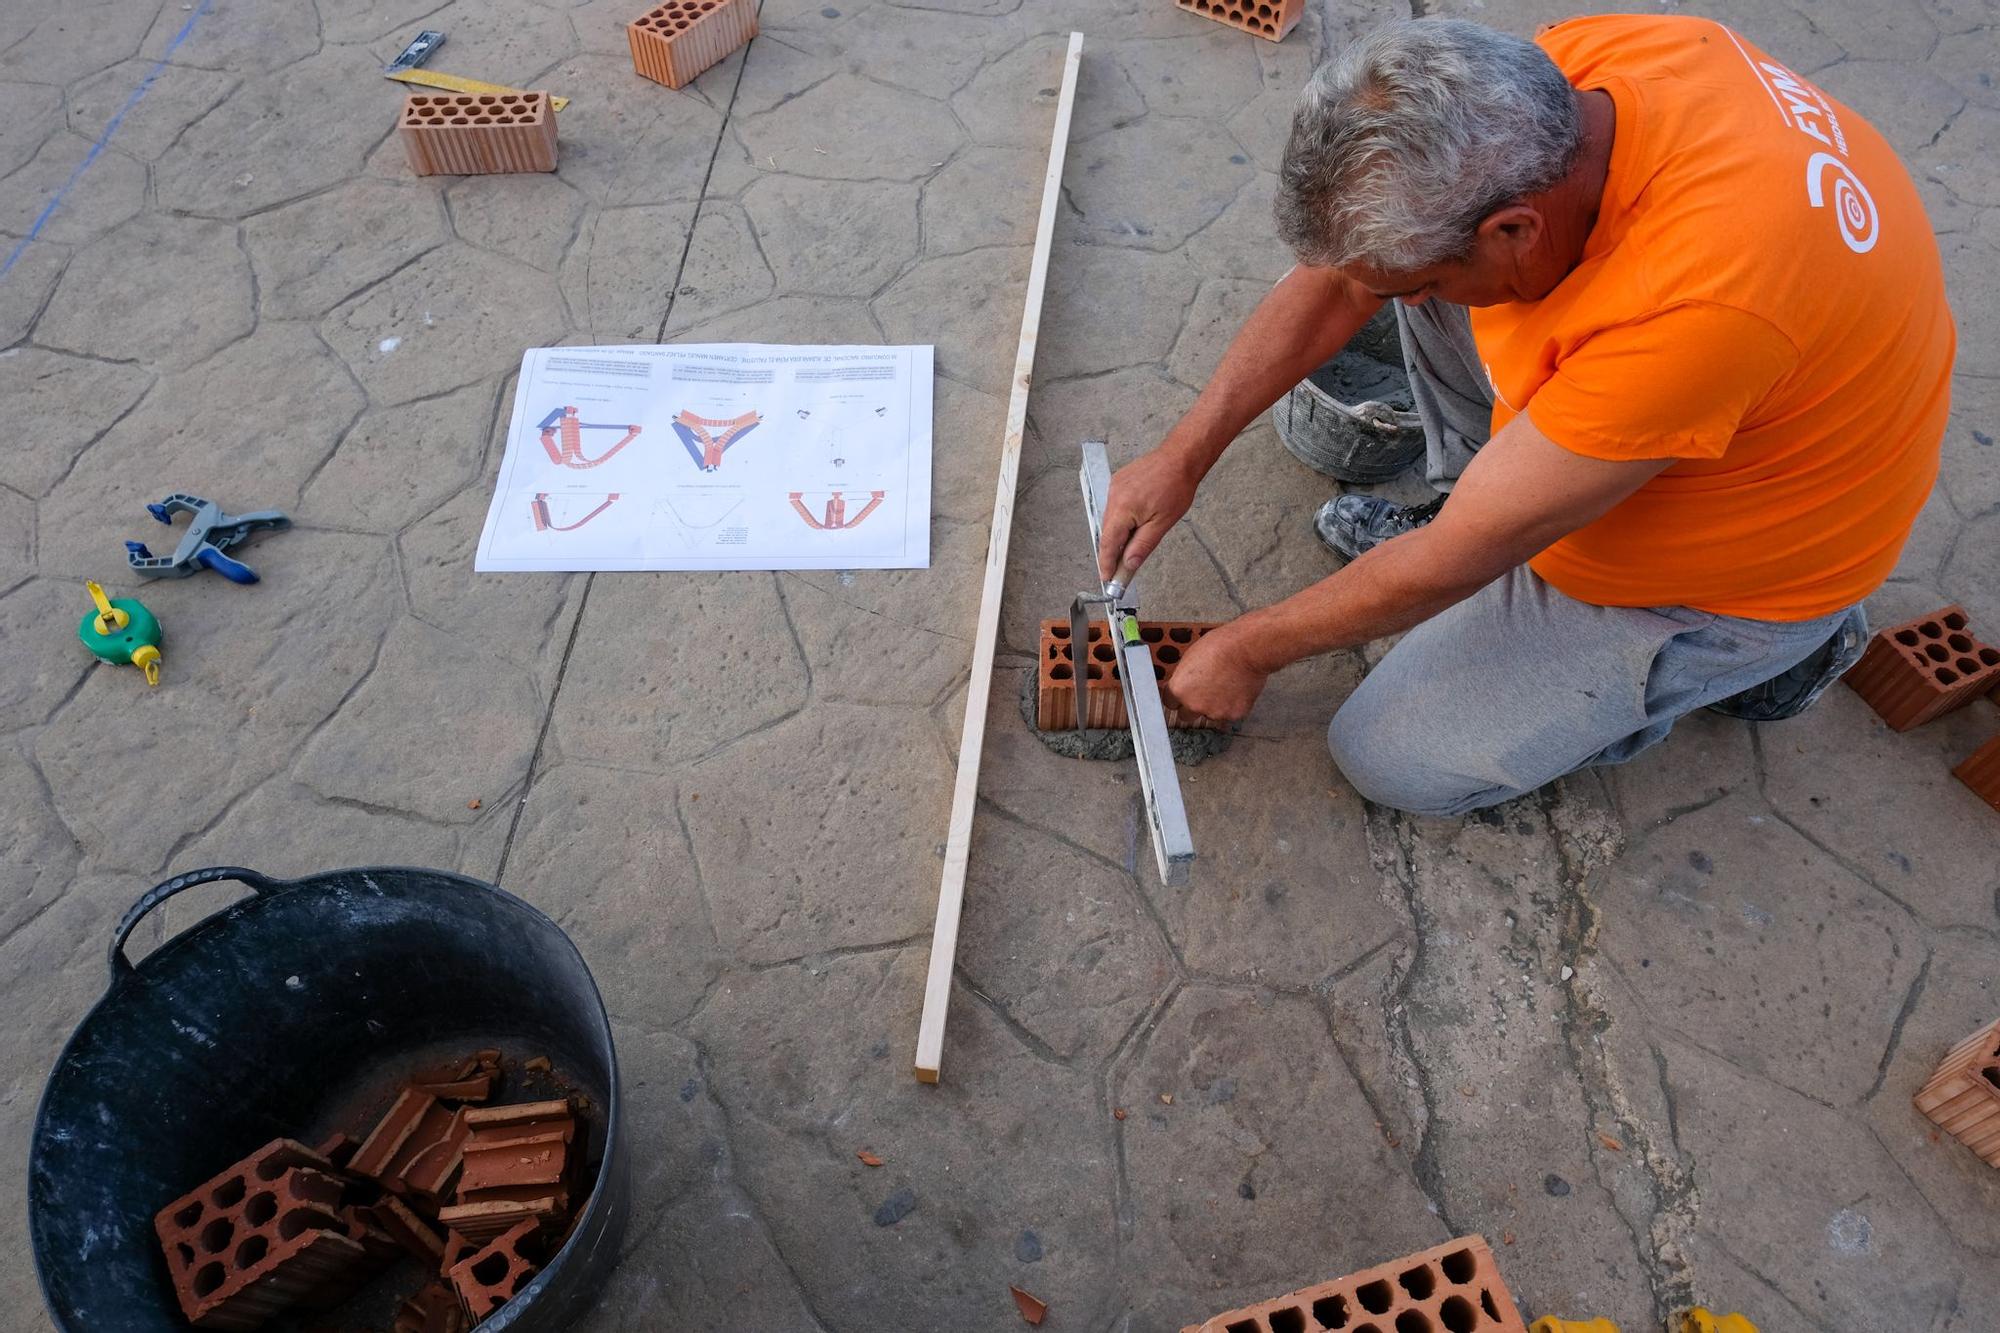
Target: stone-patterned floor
1652	1033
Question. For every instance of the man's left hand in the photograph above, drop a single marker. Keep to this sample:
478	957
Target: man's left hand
1214	680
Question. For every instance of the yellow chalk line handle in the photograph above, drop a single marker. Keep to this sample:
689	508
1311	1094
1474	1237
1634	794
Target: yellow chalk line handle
453	84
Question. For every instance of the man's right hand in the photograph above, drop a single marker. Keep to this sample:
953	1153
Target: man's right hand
1148	496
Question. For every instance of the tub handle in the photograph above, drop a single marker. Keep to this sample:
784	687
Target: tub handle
159	893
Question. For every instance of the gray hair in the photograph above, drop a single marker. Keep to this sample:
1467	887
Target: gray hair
1403	142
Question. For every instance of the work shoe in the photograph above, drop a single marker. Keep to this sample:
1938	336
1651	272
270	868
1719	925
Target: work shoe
1790	693
1351	524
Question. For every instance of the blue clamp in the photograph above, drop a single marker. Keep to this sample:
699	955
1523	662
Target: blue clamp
209	533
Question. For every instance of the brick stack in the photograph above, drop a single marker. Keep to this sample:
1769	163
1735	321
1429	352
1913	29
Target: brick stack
1104	702
1452	1288
478	1195
478	134
1963	1096
1918	671
676	41
516	1167
1270	19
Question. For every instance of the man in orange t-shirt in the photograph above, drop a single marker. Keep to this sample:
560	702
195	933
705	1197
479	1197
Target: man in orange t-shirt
1676	330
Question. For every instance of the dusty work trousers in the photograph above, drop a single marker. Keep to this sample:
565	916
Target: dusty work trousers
1520	683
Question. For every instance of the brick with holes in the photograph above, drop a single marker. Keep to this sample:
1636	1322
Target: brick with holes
1963	1095
478	134
1920	670
261	1238
1270	19
674	42
1104	702
488	1279
1451	1288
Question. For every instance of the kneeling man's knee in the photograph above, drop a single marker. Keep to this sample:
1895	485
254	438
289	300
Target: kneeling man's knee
1389	763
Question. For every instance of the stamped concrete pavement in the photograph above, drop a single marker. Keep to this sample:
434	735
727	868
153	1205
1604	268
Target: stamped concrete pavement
1653	1032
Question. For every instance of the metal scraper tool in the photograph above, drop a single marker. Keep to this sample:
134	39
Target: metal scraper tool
1173	845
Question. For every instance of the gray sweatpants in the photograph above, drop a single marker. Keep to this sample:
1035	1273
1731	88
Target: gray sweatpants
1520	684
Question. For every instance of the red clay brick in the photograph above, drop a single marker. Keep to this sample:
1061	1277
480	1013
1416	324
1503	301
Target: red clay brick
416	1148
495	1275
1451	1288
384	1142
1055	695
478	134
1918	671
1963	1095
1267	18
1981	772
265	1236
674	43
198	1230
468	1080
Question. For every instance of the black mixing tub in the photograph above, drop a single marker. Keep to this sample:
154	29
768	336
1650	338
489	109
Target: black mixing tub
253	1024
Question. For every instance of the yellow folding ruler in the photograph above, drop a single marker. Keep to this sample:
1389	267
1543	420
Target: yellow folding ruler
452	83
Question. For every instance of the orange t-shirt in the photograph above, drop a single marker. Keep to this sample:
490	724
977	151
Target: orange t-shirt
1761	298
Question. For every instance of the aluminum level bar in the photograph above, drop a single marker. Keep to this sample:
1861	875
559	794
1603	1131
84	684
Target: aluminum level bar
1166	815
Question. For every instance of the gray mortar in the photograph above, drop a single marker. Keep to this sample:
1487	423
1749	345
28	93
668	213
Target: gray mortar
1353	378
1190	747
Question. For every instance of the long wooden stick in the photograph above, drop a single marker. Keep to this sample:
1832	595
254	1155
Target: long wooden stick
972	741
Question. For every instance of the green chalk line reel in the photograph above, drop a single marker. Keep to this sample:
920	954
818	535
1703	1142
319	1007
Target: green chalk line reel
122	632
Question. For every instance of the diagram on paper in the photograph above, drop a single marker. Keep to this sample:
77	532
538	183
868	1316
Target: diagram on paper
707	441
562	439
545	519
834	516
715	456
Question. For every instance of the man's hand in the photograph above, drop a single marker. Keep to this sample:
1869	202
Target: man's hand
1148	496
1215	680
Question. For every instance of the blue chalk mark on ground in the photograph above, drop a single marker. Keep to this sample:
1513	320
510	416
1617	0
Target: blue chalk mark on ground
110	128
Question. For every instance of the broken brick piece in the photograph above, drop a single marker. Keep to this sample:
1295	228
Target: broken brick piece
1104	700
1981	772
1270	19
478	134
1453	1286
675	42
380	1149
410	1231
494	1275
468	1080
434	1309
415	1148
1920	670
457	1248
432	1156
1963	1095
